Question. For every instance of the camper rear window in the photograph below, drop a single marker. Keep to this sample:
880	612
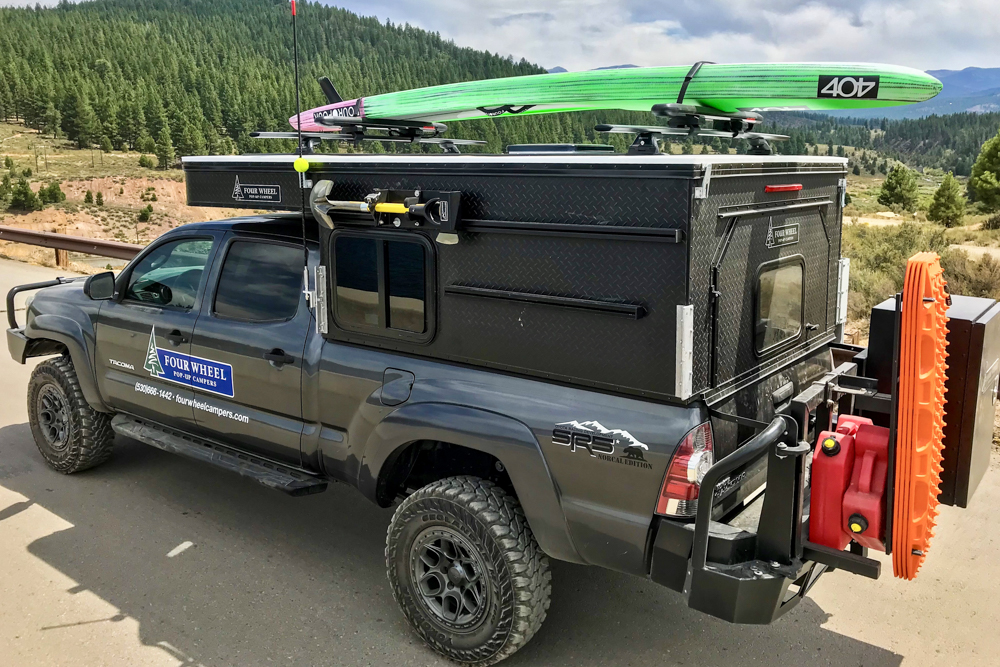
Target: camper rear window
779	305
381	284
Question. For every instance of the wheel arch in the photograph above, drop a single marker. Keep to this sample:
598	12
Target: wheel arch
505	439
53	334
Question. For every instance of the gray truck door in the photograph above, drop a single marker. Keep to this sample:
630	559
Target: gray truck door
144	334
254	324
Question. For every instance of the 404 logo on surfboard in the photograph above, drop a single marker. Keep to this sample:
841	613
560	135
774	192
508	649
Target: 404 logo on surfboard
212	376
848	87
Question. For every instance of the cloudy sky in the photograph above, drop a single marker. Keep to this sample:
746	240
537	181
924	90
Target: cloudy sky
583	34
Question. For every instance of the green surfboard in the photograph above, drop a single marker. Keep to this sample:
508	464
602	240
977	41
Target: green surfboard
727	88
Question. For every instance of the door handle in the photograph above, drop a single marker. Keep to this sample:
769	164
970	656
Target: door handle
278	357
176	337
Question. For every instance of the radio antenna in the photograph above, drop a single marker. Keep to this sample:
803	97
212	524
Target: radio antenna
301	164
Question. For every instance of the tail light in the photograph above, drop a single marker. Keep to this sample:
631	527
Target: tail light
690	463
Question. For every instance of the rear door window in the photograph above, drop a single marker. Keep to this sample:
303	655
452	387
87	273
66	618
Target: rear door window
260	282
779	304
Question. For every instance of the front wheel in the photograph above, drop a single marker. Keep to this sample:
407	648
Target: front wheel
70	435
466	570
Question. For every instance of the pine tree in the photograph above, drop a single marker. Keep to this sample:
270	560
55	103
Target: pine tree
52	121
164	149
948	206
88	198
86	126
106	144
23	198
985	179
100	198
899	189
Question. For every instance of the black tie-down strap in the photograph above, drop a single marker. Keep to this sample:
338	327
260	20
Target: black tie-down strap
690	75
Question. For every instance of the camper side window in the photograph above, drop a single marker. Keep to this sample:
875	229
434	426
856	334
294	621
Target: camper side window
380	285
779	304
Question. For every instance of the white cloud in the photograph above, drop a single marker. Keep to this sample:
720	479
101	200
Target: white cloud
582	34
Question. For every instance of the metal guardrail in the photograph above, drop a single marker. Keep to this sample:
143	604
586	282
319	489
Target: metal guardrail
81	244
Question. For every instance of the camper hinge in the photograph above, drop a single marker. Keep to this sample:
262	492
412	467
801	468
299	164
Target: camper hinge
701	191
316	297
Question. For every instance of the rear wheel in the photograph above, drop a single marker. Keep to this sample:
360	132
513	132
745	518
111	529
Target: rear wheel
70	435
467	571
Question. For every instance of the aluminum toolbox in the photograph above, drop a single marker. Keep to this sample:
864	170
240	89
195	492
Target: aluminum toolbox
971	388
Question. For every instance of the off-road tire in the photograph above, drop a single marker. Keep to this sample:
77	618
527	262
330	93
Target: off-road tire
516	571
85	436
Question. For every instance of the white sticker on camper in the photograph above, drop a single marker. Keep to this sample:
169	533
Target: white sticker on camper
781	235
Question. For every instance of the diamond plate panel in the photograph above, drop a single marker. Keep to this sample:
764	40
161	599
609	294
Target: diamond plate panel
605	198
745	254
594	348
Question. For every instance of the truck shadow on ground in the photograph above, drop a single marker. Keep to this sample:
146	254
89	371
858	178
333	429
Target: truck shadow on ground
272	578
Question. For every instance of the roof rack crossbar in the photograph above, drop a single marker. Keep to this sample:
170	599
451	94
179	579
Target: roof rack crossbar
312	139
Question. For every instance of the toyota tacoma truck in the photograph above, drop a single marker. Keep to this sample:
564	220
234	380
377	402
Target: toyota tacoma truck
626	361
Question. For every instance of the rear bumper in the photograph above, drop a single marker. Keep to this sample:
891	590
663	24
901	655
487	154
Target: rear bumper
740	589
751	577
17	343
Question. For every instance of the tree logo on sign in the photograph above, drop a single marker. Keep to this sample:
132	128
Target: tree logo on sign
153	357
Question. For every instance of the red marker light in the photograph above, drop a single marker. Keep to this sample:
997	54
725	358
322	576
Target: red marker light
293	7
791	187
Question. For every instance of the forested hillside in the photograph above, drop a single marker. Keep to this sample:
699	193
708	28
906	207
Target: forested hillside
949	142
202	74
212	71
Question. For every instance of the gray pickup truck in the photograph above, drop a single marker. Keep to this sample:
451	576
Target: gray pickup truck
602	359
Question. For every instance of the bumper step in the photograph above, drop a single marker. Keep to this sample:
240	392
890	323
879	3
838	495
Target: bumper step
272	475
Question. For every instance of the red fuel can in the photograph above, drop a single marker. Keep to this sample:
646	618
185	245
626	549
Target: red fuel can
864	501
832	467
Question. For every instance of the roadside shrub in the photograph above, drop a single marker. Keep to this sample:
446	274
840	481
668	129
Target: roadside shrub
100	199
88	198
878	260
146	162
971	277
992	222
26	173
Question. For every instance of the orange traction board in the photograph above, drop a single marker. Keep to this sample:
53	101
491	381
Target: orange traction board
920	422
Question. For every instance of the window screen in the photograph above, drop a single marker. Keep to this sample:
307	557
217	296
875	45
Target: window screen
170	275
357	281
406	285
779	305
260	282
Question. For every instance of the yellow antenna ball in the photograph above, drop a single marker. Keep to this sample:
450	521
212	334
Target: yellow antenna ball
301	165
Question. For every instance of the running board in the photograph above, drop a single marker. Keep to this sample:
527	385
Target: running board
270	474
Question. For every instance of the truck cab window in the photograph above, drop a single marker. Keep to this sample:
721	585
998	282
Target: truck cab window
170	275
779	305
260	282
380	284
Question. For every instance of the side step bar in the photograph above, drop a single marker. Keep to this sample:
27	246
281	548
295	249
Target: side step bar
273	475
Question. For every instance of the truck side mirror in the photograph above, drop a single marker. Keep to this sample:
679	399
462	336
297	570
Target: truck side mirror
100	287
